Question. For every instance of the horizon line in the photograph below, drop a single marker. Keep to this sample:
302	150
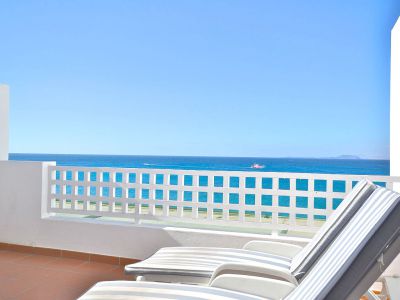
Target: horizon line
338	157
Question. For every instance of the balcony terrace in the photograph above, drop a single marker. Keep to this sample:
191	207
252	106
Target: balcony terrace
65	228
83	217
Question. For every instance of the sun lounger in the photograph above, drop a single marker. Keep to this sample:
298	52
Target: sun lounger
197	265
348	267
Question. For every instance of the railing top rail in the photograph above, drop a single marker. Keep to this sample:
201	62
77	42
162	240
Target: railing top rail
228	172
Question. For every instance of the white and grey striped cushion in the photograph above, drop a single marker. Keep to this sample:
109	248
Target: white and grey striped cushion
202	261
304	260
130	290
337	259
342	252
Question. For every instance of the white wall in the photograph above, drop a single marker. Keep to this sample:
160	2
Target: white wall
23	189
4	103
395	119
395	102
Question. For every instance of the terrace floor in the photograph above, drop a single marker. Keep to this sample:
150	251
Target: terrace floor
31	276
26	276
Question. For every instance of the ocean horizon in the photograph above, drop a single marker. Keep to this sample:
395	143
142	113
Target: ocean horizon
294	165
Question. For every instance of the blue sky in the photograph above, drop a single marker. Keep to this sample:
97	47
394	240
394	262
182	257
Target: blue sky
211	77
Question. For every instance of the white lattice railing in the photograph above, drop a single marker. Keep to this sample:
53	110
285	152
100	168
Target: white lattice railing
277	201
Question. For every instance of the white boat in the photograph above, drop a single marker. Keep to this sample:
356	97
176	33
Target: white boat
257	166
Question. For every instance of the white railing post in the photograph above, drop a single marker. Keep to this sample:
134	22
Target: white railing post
4	108
395	104
47	189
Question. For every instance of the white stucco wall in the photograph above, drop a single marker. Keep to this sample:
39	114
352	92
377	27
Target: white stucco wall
4	108
394	269
23	188
395	102
23	196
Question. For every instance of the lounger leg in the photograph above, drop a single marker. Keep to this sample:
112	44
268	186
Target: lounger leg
370	295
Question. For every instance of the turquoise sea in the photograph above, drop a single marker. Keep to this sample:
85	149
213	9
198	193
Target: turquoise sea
299	165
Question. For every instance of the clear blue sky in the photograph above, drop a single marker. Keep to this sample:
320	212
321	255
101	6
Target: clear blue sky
210	77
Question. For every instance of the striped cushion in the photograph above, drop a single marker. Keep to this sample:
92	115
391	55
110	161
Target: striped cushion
342	252
331	266
130	290
202	261
303	261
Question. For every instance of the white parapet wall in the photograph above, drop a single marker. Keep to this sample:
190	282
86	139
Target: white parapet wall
23	202
4	119
24	188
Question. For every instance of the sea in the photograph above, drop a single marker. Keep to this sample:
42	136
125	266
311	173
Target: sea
296	165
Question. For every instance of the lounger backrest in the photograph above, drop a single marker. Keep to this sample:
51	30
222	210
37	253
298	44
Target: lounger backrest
303	261
351	248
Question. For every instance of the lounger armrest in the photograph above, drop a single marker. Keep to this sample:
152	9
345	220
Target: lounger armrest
263	287
277	248
273	272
